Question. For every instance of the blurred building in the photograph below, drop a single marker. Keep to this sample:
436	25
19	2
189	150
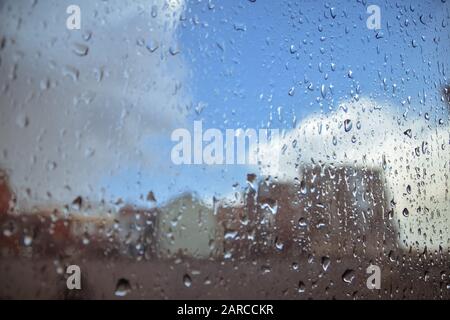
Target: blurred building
327	211
6	195
136	231
187	227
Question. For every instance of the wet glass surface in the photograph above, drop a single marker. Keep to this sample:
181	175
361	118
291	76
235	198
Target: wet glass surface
225	149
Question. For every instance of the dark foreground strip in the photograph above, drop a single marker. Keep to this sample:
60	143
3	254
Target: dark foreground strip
225	309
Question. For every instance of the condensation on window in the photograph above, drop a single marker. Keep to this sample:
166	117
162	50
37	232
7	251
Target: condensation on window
201	149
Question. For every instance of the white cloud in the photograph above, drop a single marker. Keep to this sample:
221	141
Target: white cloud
68	119
377	133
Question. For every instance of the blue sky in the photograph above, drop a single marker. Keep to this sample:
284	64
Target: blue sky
244	57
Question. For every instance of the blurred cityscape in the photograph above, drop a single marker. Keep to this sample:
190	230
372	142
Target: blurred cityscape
331	216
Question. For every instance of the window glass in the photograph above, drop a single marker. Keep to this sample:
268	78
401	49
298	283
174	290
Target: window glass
225	149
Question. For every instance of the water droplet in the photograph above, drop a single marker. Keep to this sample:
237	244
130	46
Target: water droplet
323	91
302	223
348	125
51	165
279	245
424	147
44	84
405	212
87	35
80	49
89	152
187	280
154	11
240	27
122	288
325	263
293	49
301	287
333	12
152	46
71	72
151	197
77	203
408	133
9	230
22	121
303	189
230	235
174	50
348	276
27	240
